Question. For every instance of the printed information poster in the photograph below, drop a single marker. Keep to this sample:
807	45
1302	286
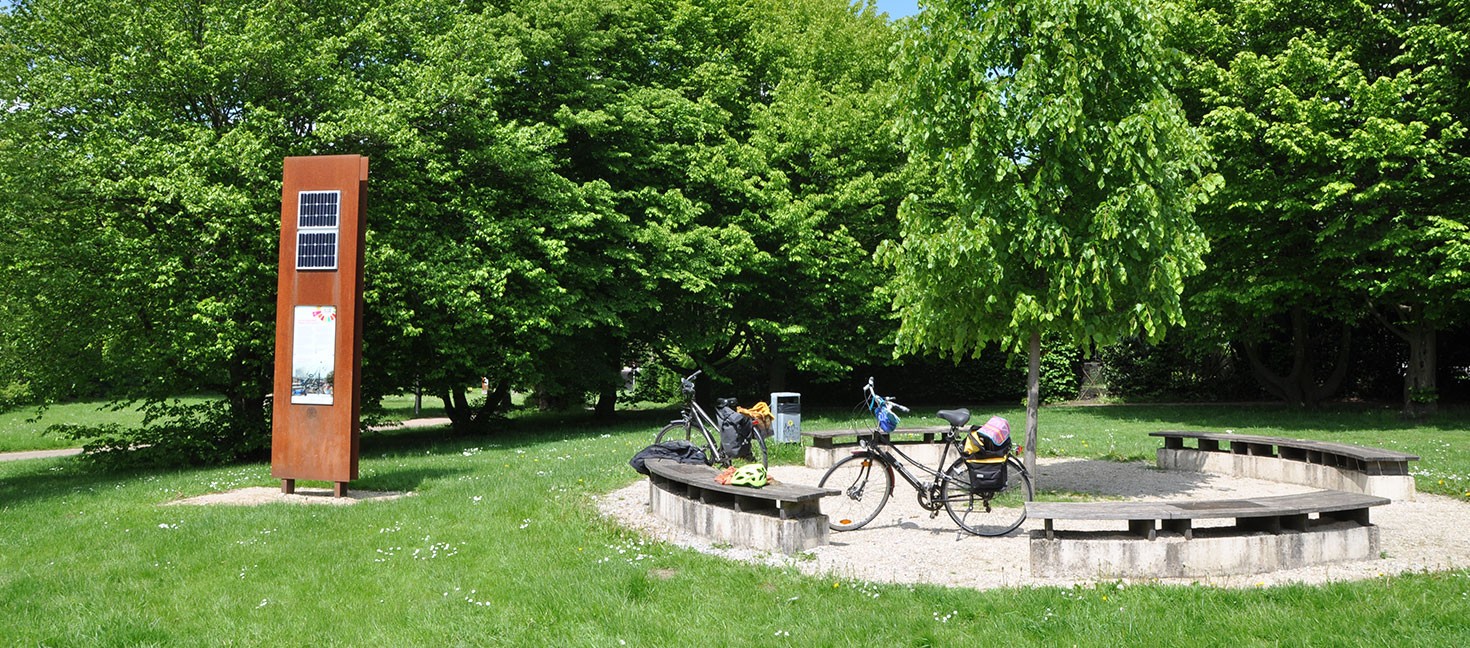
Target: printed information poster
313	355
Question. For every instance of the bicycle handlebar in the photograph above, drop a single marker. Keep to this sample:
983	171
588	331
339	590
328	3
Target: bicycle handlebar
688	383
887	400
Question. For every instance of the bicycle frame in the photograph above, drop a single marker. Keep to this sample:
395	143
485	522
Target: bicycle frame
884	447
694	416
926	490
950	486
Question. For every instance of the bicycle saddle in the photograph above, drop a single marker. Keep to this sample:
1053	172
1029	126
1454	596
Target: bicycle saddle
956	417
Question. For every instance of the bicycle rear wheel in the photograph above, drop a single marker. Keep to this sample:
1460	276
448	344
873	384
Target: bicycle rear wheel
866	481
987	513
678	430
758	451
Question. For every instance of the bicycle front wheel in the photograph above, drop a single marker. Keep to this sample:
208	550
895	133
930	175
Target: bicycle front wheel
986	512
680	431
865	482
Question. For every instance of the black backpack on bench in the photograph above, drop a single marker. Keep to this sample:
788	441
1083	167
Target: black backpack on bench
736	429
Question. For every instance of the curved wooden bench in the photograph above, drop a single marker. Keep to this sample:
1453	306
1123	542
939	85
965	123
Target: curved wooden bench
840	438
779	516
830	445
697	481
1321	464
1292	538
1273	514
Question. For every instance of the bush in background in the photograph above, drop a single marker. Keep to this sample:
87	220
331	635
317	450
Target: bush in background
14	394
1175	370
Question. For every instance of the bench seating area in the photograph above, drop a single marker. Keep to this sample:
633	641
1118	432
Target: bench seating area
828	446
1268	534
1320	464
778	517
1273	514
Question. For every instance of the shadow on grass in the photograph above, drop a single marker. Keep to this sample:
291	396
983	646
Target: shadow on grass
25	482
522	431
42	480
403	480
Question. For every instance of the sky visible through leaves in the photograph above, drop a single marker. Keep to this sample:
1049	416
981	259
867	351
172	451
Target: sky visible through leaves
894	8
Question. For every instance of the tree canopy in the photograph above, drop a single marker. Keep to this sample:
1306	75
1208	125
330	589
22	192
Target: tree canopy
1068	174
1343	144
561	189
558	189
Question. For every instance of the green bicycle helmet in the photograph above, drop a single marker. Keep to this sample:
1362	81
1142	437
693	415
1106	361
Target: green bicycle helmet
753	475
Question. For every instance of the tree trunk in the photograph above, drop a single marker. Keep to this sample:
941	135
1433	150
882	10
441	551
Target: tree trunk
1316	392
497	402
776	376
1420	395
1033	404
1279	386
1299	386
457	408
606	407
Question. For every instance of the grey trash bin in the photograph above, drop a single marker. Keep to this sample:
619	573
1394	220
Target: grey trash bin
786	408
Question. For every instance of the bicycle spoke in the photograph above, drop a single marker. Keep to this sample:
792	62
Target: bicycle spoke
864	483
987	513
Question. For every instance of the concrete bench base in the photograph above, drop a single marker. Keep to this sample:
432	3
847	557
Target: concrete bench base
761	529
1394	487
778	517
1088	555
1321	464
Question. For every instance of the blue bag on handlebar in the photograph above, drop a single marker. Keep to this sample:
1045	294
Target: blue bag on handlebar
887	420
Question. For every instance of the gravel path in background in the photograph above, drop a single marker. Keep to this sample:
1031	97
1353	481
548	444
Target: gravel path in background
38	454
906	545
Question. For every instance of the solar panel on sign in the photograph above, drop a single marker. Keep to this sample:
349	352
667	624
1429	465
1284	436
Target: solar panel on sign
318	209
316	222
316	250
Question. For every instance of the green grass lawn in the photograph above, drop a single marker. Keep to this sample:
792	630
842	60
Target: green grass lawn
24	428
501	545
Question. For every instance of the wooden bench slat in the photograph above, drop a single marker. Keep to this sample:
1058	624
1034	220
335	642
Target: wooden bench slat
701	477
1326	501
1363	453
1271	514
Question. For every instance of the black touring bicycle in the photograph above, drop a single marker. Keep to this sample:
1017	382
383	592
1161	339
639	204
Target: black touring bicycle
979	480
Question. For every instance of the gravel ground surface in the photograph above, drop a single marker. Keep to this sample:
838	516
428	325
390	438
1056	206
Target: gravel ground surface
906	545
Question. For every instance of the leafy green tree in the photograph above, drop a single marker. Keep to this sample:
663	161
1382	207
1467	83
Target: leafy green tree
1268	257
829	177
556	189
141	151
1342	143
469	220
735	144
1067	173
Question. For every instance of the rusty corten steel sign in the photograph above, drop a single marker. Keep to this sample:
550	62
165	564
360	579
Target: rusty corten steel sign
314	422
